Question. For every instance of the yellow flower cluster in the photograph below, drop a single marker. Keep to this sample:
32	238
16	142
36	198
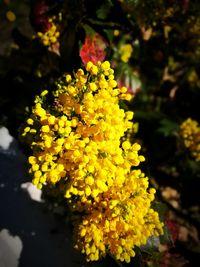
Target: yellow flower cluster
51	36
118	220
125	51
190	132
80	140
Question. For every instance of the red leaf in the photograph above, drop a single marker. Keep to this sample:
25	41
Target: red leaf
93	49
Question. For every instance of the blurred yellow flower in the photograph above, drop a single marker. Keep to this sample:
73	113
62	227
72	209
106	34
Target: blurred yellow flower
190	133
125	51
10	16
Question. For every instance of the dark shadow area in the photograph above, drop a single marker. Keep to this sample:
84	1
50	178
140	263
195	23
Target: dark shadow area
46	239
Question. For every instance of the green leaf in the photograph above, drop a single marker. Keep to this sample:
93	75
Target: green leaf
168	127
161	208
89	30
104	10
152	245
166	238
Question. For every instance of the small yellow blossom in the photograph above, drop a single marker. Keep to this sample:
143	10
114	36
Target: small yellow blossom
125	51
116	32
51	36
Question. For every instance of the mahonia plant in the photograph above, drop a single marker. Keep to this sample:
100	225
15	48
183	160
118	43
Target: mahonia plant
80	140
51	34
190	134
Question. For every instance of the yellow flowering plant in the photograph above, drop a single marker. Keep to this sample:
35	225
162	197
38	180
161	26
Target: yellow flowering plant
80	143
51	35
190	134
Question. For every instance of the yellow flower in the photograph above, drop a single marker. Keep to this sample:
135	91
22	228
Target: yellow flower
45	129
51	36
81	143
190	134
125	51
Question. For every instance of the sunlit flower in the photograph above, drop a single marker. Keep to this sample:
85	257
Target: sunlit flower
81	143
